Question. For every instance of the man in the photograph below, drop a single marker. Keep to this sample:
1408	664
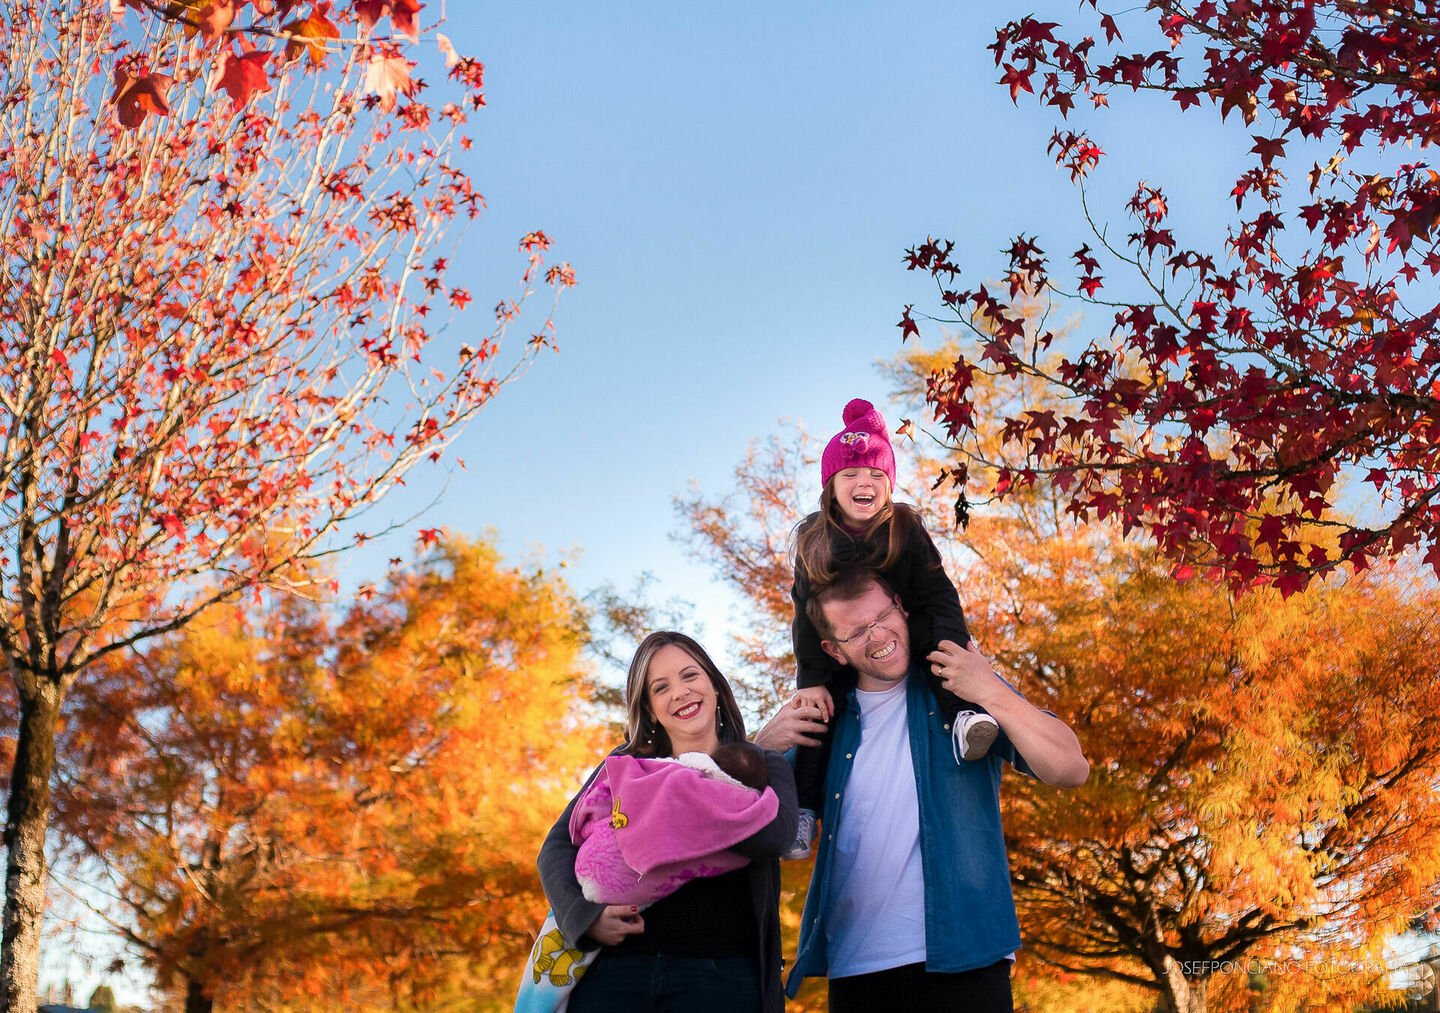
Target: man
909	905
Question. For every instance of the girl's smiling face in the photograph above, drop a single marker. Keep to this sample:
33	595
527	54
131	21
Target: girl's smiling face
860	493
683	700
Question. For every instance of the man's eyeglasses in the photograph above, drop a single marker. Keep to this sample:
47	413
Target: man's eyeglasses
863	633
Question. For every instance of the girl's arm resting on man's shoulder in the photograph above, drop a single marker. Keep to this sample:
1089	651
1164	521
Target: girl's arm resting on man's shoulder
776	837
573	913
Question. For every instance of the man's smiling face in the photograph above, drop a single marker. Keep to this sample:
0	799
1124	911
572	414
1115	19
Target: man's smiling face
876	639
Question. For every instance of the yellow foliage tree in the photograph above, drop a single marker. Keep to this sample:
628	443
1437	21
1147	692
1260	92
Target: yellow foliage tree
290	810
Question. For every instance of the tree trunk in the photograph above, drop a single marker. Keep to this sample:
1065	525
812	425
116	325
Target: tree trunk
1184	995
28	815
197	999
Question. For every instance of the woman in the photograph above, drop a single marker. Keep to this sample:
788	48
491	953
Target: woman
713	946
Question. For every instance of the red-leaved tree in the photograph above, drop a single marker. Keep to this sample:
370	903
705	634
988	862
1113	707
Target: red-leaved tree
1224	407
220	238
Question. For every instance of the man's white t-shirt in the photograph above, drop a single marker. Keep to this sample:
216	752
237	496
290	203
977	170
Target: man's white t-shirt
876	907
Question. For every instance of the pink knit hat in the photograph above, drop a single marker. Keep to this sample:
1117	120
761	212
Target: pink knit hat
863	443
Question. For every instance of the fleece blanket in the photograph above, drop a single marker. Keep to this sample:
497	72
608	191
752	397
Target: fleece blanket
648	825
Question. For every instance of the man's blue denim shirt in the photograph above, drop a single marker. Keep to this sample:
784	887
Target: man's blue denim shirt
969	910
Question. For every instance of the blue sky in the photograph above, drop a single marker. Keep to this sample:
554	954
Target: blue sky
735	186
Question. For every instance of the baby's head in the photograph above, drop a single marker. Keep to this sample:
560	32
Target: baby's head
745	763
857	469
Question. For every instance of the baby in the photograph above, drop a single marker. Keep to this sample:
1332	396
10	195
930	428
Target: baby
646	825
745	763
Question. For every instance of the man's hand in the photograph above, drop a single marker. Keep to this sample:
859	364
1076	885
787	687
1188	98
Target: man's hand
615	923
796	724
1048	745
965	672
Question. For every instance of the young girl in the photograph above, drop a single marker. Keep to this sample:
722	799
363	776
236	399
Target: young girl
859	522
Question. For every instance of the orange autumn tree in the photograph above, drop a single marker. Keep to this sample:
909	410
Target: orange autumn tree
1263	772
288	809
223	234
1262	791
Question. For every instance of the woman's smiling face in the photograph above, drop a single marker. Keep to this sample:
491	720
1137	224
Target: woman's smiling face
682	700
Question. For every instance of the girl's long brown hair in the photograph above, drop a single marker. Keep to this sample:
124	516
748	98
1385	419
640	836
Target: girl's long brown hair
817	536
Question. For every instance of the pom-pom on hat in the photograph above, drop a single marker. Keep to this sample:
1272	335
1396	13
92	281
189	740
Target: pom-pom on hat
863	443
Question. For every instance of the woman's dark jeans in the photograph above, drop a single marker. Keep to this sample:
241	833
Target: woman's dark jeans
663	984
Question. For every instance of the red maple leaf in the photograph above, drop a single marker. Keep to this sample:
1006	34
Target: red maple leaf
386	75
212	19
1239	97
370	11
241	75
172	525
402	16
1016	80
907	325
136	97
1268	149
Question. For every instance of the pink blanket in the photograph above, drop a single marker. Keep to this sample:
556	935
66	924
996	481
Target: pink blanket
646	826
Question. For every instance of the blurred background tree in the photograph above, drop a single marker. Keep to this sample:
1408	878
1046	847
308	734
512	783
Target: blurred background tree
288	809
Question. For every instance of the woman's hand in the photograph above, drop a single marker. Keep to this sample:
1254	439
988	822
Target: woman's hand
795	725
615	923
